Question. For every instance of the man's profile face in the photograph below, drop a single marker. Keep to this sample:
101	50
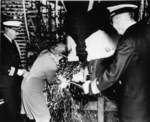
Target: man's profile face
120	22
116	21
13	33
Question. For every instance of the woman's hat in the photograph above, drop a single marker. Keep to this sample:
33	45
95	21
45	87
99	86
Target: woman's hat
82	25
121	8
13	23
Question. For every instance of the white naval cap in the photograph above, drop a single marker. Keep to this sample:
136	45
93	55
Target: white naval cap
12	23
117	9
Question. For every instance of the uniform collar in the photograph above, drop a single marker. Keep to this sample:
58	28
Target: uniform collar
8	37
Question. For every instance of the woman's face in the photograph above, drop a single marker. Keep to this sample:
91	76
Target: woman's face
59	50
99	45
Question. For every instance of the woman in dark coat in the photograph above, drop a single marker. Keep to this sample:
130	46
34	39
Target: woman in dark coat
91	39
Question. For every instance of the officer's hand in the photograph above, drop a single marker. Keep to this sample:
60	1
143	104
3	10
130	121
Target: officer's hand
94	88
22	72
90	85
85	86
25	73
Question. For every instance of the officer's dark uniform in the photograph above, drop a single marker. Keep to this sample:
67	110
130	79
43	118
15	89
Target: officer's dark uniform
10	85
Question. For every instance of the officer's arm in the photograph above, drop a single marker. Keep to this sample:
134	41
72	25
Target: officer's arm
123	55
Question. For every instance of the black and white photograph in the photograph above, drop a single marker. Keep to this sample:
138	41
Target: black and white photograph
74	61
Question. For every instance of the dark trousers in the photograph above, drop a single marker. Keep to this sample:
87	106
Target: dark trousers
11	108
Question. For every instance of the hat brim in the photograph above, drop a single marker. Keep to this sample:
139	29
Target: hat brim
121	8
12	23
